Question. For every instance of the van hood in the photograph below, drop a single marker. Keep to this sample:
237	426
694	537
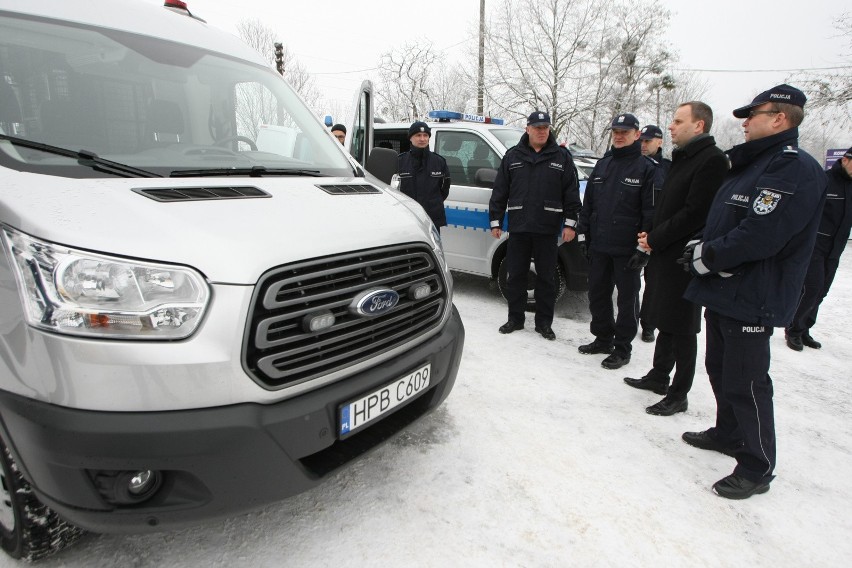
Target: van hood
228	240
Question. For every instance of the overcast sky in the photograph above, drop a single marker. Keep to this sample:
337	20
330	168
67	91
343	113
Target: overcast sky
341	42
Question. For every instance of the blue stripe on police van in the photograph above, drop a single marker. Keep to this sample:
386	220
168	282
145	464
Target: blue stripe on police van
465	218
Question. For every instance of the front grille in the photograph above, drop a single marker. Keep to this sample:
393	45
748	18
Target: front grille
279	352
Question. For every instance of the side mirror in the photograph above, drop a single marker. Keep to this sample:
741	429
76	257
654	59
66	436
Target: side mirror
484	177
382	163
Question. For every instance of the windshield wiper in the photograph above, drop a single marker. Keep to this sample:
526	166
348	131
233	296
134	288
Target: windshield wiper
254	171
83	157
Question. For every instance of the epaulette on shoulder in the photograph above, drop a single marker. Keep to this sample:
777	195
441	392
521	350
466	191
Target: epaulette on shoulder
790	151
653	161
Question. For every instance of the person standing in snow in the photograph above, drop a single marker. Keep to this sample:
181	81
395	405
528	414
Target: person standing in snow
834	229
750	263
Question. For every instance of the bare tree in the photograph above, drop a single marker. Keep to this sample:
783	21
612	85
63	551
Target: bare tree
537	54
832	91
628	69
406	74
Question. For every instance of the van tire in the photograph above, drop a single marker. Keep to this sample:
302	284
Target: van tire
531	276
29	529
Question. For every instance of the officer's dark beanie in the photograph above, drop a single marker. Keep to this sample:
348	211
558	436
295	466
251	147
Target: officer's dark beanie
848	153
419	126
339	127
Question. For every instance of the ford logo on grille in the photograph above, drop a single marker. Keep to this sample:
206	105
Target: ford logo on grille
374	302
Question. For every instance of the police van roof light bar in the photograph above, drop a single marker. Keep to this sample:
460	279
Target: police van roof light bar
447	116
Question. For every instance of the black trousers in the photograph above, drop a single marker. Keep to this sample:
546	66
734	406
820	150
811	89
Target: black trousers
737	362
541	249
818	279
607	273
673	351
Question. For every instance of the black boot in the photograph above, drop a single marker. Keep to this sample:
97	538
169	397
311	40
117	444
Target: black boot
649	382
668	406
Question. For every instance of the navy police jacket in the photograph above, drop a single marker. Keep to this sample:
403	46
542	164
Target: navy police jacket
539	189
424	177
836	221
619	200
760	232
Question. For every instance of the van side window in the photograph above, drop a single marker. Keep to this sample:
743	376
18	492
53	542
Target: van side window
396	140
465	153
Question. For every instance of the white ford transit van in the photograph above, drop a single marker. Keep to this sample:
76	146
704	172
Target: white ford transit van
205	303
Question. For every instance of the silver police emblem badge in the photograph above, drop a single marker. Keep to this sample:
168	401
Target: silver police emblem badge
766	202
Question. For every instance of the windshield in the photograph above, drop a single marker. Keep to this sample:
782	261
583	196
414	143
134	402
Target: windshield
508	137
147	103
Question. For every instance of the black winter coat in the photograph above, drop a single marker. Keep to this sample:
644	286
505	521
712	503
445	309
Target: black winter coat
540	189
836	222
695	175
426	179
619	201
760	232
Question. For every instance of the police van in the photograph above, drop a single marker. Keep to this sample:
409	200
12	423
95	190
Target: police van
205	303
473	146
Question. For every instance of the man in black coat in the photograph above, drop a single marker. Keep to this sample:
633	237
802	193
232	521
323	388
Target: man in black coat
618	204
833	232
698	168
537	183
424	175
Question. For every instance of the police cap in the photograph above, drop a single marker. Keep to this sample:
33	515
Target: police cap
778	94
650	131
625	121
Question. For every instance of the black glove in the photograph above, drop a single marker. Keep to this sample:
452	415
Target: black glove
686	258
638	261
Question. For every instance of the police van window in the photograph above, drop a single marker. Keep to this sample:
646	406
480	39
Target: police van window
507	136
465	153
396	140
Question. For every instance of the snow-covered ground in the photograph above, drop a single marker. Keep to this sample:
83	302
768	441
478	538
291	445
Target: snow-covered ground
540	457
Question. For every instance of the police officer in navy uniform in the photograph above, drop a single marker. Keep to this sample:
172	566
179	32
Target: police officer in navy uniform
424	175
749	263
834	229
651	139
618	205
537	183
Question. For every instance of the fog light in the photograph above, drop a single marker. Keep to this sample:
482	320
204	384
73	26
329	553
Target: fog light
419	291
128	487
141	482
312	323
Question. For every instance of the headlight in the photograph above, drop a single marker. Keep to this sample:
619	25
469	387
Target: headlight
81	293
438	247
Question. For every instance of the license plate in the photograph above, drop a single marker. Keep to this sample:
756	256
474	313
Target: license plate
361	412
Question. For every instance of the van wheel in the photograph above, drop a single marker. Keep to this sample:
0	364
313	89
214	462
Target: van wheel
531	276
29	529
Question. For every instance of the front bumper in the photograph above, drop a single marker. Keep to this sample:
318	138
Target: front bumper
214	462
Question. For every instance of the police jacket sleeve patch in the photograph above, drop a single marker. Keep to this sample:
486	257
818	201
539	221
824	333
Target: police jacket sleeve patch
766	202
